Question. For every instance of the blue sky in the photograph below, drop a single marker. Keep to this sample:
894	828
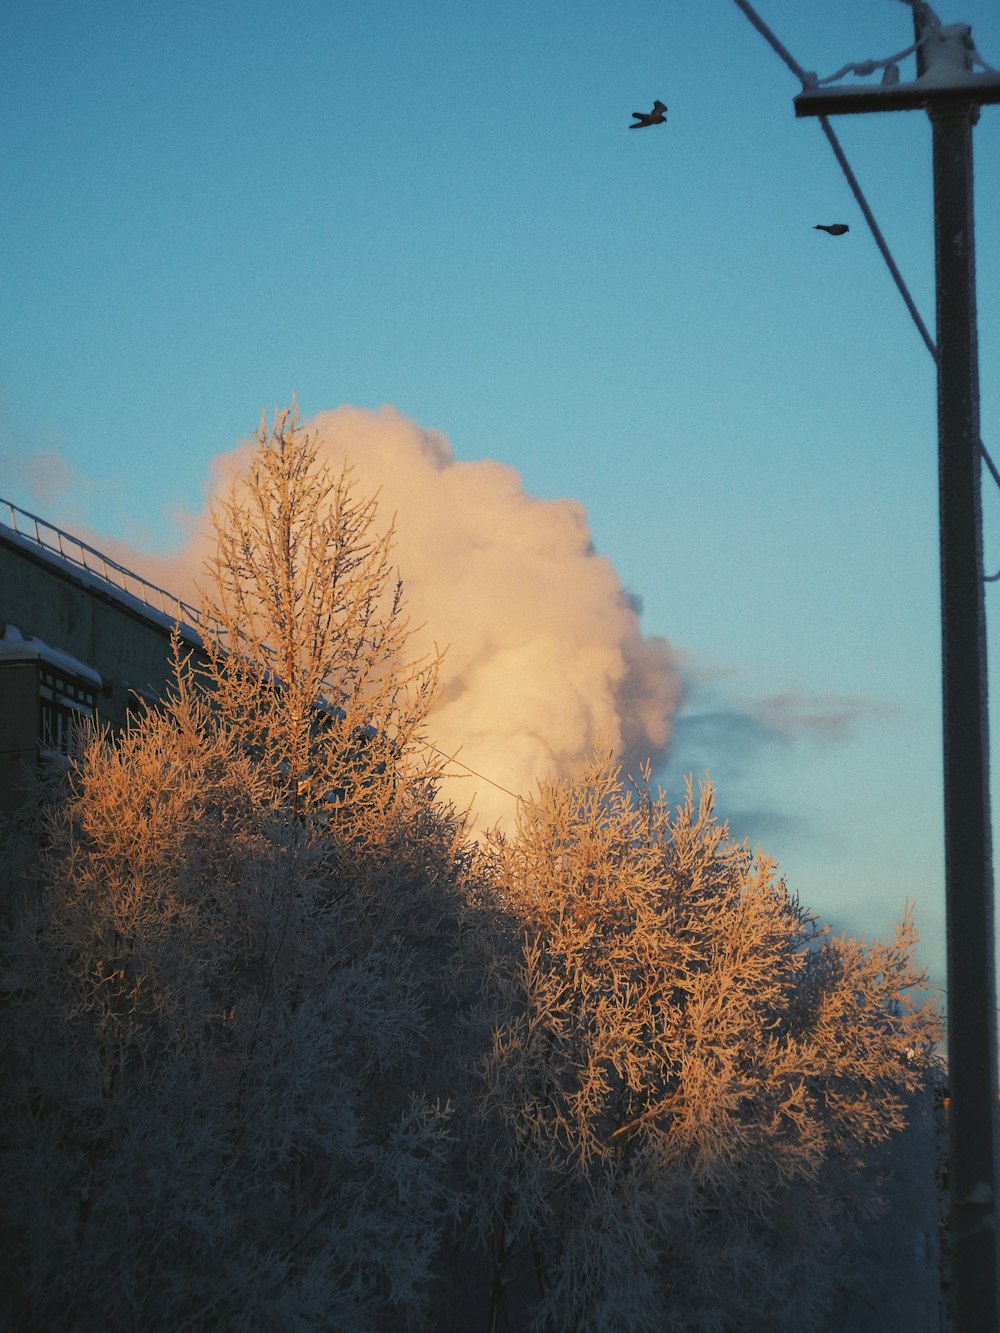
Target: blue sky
438	206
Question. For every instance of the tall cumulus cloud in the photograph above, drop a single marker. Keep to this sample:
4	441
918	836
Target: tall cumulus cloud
545	656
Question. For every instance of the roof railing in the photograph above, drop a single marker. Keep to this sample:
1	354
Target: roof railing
47	537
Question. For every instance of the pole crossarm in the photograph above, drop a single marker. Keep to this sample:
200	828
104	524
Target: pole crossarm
945	78
849	99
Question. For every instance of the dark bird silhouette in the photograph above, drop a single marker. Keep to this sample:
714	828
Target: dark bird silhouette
655	117
834	228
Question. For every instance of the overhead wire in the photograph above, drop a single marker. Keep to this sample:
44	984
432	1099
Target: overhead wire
809	80
454	759
880	240
805	76
943	990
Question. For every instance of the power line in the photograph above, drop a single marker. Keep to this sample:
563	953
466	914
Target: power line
876	232
809	80
453	759
943	990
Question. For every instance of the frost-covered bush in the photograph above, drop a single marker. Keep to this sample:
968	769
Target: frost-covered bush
679	1112
203	1018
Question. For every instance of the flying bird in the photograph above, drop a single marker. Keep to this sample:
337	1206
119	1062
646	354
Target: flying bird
655	117
834	228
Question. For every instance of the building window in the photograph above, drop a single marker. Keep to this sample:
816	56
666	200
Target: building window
65	702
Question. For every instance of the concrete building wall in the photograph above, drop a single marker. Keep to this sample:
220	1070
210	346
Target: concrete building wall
85	619
72	612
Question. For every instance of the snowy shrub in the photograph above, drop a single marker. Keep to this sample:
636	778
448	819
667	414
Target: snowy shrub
192	1138
693	1079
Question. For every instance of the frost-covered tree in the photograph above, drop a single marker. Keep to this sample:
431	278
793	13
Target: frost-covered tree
682	1106
234	989
307	635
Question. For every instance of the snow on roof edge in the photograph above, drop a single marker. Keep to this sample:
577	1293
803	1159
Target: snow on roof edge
18	647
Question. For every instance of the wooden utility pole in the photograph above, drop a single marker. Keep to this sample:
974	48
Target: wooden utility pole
951	93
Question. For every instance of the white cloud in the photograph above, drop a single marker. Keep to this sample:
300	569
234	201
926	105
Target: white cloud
545	654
